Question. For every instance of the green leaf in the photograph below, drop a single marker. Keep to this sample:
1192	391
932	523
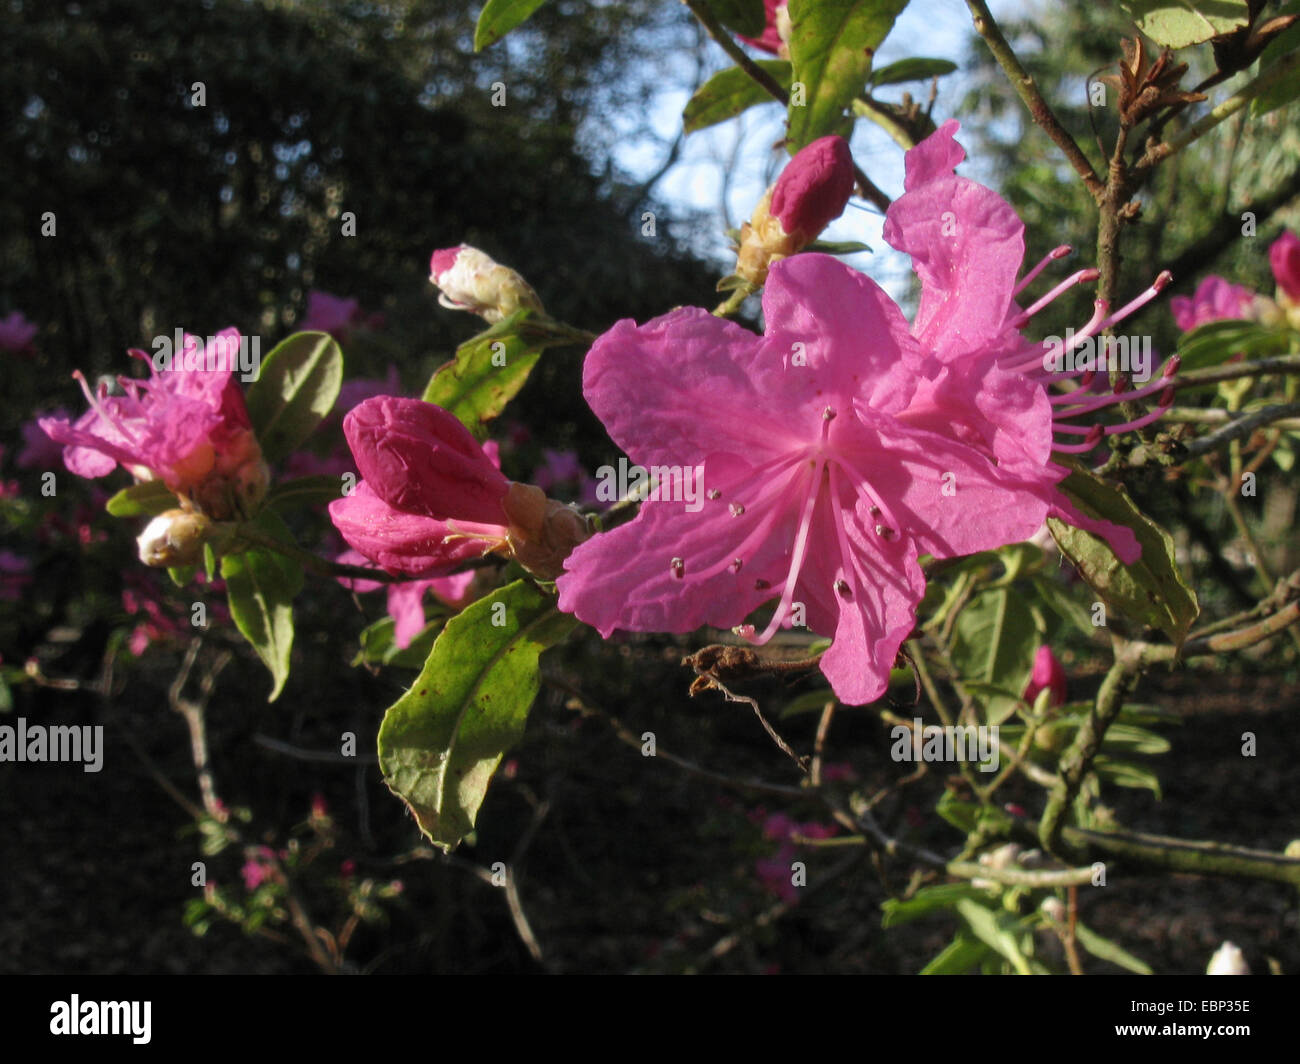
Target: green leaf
912	70
927	900
962	954
729	92
1282	45
994	642
378	647
1179	23
487	372
746	17
831	46
1000	931
261	585
441	742
182	574
1151	590
1127	774
316	490
1106	950
148	498
297	386
499	17
1217	341
1063	603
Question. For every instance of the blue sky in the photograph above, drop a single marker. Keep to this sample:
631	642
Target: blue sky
931	28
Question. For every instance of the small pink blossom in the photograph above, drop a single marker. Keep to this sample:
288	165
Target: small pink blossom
39	451
468	279
814	188
186	425
1048	673
1284	258
15	575
432	497
16	332
330	314
811	192
406	599
1215	299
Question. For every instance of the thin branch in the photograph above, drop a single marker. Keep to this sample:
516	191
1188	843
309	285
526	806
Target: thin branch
1240	427
1021	80
737	54
1274	75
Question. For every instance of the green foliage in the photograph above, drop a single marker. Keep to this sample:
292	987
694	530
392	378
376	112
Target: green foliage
729	92
146	499
499	17
261	585
915	69
298	385
831	46
440	743
1179	23
1151	590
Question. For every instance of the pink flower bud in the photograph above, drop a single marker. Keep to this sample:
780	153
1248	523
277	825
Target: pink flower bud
419	458
470	280
1284	257
810	193
1215	299
1048	673
813	189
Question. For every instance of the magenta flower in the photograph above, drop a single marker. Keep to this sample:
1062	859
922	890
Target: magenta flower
1215	299
839	446
813	189
39	451
1048	673
187	426
1284	258
16	332
433	498
406	600
967	247
810	193
330	314
15	575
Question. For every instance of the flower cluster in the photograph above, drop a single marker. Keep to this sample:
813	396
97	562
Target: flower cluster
431	498
186	425
843	444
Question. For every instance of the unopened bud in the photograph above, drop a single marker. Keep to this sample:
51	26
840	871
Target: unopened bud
811	192
175	537
470	280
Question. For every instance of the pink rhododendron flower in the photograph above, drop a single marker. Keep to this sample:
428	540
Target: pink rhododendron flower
1214	300
39	451
431	497
406	600
841	445
330	314
810	193
1284	258
15	575
1048	674
775	37
16	332
187	426
468	279
775	872
967	247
